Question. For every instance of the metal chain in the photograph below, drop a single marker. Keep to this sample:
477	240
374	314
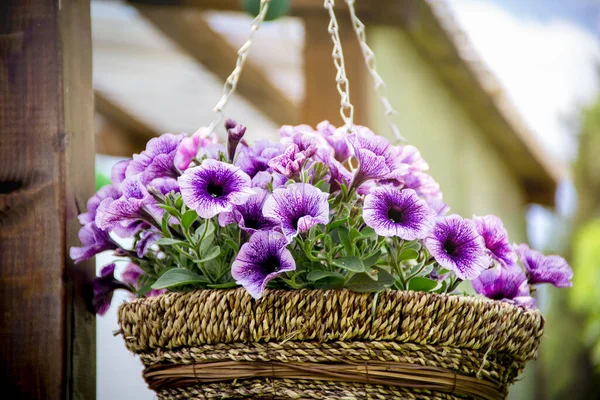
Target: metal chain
369	56
343	87
232	80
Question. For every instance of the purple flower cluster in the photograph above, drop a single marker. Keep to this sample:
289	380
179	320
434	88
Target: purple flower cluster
275	204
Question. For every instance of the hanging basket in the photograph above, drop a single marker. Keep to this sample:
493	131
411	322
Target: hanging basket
313	344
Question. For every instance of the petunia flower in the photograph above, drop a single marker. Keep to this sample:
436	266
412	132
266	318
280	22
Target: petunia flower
214	187
131	276
130	207
117	172
157	161
411	156
437	206
111	192
545	269
189	146
495	236
395	212
506	283
422	183
337	139
235	133
376	156
249	216
290	162
94	241
261	259
147	239
263	179
104	287
297	208
456	246
255	159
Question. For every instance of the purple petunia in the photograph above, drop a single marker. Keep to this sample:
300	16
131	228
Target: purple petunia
94	241
290	162
157	161
130	207
376	156
337	139
106	192
117	172
189	146
545	269
214	187
131	276
261	259
235	133
507	283
255	159
411	156
456	246
395	212
297	208
495	236
147	239
104	287
249	216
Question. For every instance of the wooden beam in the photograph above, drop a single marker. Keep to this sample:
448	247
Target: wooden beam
191	32
321	98
47	333
122	133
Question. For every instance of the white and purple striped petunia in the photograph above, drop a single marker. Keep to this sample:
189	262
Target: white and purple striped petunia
495	236
189	146
249	216
261	259
214	187
506	283
94	240
395	212
296	208
545	269
456	246
157	161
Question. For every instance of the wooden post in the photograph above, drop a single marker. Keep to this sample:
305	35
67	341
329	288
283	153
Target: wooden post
321	98
47	333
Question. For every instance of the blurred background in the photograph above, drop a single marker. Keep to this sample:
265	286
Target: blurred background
500	96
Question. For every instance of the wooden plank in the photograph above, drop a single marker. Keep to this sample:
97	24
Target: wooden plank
321	98
47	334
191	32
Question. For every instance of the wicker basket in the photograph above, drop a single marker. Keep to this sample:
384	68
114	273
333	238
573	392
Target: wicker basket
312	344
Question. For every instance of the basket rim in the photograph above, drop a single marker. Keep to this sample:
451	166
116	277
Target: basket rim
187	319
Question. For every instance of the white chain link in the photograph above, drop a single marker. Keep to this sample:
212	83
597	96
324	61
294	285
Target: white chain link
369	56
232	80
343	87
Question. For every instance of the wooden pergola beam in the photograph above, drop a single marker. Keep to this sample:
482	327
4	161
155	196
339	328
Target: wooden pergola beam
47	333
123	133
189	30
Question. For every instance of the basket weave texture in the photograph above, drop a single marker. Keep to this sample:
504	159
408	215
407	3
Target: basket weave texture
314	344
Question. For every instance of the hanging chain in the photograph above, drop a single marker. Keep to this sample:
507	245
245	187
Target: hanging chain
343	87
232	80
369	56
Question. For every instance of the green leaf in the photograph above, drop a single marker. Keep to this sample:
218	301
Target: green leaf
372	260
178	201
177	277
227	285
170	242
170	210
319	274
329	283
210	228
368	233
354	234
188	218
362	283
165	224
351	263
214	252
336	224
345	239
323	186
208	240
408	254
420	284
415	245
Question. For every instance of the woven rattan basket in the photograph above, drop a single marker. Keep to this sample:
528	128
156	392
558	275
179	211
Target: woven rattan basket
312	344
